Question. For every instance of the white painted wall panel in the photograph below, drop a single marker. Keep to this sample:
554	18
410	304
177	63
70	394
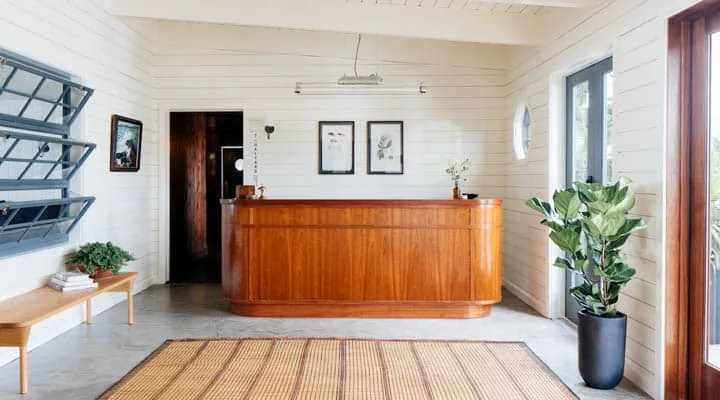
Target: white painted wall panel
633	31
113	57
203	66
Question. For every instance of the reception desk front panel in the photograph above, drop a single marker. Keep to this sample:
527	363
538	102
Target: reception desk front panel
362	258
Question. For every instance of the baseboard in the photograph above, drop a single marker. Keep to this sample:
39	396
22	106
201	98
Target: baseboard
525	297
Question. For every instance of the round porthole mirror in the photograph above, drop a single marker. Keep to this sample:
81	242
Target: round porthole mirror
522	134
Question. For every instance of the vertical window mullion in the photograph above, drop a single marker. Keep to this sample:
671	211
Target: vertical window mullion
58	102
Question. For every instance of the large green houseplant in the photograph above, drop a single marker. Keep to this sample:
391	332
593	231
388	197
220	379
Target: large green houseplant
99	260
590	223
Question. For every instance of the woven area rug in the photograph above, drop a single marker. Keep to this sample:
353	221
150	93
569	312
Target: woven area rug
214	369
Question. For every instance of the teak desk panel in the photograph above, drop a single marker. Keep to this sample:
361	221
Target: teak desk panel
382	258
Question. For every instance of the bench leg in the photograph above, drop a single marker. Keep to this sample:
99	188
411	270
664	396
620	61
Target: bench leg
131	317
18	337
23	370
88	311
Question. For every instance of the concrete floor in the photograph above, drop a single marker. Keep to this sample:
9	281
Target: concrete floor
84	362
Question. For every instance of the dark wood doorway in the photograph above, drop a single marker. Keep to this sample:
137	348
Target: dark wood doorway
692	348
198	175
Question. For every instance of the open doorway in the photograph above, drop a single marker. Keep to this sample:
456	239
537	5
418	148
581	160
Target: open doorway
200	175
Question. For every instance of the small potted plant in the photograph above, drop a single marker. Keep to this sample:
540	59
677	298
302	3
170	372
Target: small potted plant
590	224
99	260
456	172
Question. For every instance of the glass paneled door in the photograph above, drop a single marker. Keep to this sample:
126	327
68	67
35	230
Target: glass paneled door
712	269
588	146
704	230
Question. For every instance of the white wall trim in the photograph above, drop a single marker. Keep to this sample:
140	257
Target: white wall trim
556	179
524	296
164	110
557	278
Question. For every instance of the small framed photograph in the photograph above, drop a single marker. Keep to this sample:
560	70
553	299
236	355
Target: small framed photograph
125	141
385	148
336	147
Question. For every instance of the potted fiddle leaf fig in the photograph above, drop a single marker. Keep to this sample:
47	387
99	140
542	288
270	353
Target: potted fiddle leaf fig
590	224
99	260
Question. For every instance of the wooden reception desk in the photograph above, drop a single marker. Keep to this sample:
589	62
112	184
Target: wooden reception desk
362	258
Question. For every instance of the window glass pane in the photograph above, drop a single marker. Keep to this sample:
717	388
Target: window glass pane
38	110
50	90
608	126
11	104
57	116
5	72
580	108
713	271
24	82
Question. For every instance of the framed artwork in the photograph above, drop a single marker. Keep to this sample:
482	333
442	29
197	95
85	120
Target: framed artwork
337	147
125	141
385	148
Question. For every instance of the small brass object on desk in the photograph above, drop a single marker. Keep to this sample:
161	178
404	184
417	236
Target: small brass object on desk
244	191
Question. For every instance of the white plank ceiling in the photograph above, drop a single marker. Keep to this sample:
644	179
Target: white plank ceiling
511	22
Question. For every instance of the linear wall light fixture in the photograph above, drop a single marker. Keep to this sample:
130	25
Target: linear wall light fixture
356	84
315	89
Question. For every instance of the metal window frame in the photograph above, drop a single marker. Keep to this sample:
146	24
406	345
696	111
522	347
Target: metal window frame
46	222
20	63
71	167
594	75
10	210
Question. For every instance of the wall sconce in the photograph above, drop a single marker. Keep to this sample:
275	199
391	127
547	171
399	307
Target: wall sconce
269	128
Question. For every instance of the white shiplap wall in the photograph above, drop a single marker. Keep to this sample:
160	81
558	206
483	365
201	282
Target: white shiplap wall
114	58
201	66
634	33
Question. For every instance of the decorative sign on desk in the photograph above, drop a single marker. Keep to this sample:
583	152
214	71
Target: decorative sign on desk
336	147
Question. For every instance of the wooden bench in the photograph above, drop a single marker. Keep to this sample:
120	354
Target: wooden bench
18	314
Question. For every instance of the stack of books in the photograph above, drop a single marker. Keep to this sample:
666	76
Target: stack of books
69	281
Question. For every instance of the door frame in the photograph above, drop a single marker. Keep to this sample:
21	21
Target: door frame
163	144
556	157
680	326
596	121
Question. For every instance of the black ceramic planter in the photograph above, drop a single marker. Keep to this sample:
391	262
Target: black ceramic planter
601	349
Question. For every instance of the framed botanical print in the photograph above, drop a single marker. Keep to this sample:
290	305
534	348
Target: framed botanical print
385	148
125	141
336	147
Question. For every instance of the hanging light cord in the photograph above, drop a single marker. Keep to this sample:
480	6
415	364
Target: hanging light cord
357	53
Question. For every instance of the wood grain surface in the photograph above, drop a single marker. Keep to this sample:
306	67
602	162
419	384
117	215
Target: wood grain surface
403	258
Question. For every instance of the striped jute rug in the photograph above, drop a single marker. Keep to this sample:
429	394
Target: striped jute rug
214	369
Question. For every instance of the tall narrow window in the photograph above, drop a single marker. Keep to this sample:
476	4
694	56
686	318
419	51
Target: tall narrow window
588	146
